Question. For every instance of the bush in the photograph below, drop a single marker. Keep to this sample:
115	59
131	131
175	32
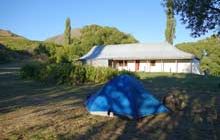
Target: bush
99	74
65	54
4	57
78	75
32	70
56	73
69	73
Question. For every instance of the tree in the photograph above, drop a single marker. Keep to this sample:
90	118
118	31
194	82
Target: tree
208	51
199	15
67	32
170	27
97	35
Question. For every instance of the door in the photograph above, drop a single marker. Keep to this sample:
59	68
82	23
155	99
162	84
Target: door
137	64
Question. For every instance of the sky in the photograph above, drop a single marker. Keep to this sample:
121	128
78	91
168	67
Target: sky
41	19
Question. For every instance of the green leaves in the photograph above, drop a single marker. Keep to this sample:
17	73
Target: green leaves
211	45
171	23
200	16
67	32
97	35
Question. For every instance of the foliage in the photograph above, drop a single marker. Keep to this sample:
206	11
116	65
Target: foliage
92	35
4	55
8	55
199	15
58	112
170	27
209	62
44	51
19	44
64	54
31	70
67	32
97	35
60	73
19	48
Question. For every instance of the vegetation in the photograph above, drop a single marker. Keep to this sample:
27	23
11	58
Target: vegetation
68	73
97	35
59	39
170	27
14	47
58	63
199	15
209	62
67	33
34	110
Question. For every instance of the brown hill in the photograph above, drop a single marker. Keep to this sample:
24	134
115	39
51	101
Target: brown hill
59	39
7	33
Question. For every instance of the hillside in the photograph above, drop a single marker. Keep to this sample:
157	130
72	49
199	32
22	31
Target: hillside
16	42
59	39
209	46
15	47
7	33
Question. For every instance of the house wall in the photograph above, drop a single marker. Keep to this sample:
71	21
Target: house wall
174	66
98	63
131	65
184	66
196	66
170	66
157	67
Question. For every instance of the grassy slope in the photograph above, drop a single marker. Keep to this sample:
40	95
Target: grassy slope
32	110
15	42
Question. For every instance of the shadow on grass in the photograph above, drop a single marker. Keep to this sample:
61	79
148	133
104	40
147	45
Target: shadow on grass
18	93
199	120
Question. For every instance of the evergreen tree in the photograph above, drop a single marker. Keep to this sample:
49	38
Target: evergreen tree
170	27
67	33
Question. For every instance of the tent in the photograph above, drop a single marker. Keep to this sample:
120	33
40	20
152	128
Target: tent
124	95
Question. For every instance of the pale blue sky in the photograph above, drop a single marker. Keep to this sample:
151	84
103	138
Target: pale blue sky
40	19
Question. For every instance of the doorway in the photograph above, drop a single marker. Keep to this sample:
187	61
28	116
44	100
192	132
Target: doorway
137	65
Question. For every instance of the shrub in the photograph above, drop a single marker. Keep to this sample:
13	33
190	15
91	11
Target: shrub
4	57
78	75
32	70
56	73
69	73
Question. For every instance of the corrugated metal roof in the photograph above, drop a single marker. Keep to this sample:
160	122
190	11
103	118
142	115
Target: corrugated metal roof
137	51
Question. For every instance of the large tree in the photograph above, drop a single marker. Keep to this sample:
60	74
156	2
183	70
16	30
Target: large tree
170	27
199	15
67	32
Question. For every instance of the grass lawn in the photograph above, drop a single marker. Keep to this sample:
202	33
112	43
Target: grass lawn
33	110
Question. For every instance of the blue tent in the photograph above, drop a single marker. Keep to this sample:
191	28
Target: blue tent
124	95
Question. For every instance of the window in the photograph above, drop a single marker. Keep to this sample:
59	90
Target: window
126	63
120	63
152	62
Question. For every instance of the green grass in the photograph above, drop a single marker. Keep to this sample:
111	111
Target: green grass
33	110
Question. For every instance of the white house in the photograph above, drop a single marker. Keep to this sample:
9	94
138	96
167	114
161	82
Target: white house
149	57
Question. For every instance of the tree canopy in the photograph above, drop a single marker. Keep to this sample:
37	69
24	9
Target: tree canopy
170	27
210	61
97	35
67	32
199	15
